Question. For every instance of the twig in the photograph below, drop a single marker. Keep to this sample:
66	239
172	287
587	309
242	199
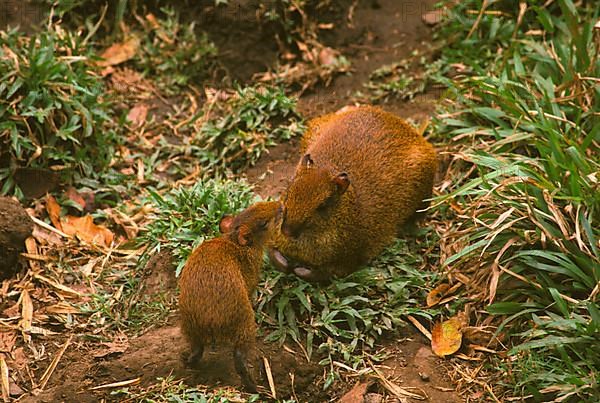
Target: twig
49	227
4	374
419	326
270	378
117	384
50	370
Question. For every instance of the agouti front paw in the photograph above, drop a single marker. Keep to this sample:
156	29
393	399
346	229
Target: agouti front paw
279	261
304	273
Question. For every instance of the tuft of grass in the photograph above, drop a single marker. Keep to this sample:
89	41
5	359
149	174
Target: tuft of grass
174	53
52	111
345	319
240	129
184	217
171	390
526	113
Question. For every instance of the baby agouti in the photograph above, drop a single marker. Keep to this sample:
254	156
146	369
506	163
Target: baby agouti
216	286
364	172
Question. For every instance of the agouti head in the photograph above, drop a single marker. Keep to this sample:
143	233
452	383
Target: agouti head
311	197
252	227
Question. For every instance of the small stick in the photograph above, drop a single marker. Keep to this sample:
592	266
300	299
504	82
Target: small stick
419	326
48	227
50	370
270	377
117	384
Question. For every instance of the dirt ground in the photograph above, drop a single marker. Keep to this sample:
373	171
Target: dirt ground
381	32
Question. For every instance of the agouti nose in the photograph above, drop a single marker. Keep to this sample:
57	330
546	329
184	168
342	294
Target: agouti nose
289	231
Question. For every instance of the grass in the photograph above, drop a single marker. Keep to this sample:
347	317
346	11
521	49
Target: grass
174	54
52	109
184	217
346	319
171	390
525	184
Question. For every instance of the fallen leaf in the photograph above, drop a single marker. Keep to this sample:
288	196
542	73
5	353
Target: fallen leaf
62	308
53	210
74	195
137	115
113	348
356	394
446	337
26	313
436	295
84	228
119	52
8	337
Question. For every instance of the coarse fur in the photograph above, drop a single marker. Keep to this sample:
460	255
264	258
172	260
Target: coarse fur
217	282
363	174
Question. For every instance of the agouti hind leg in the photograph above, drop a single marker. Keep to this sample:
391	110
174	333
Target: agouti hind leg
239	359
193	359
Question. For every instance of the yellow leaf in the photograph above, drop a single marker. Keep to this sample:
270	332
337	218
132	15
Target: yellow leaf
446	337
436	295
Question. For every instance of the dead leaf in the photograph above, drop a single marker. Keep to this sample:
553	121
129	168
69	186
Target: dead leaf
8	337
446	337
53	210
26	314
113	348
84	228
436	295
119	52
62	308
74	195
137	115
4	375
356	394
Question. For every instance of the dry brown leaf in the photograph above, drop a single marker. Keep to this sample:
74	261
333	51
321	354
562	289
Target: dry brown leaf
74	195
53	210
8	337
84	228
446	337
356	394
137	115
4	375
26	313
114	348
119	52
62	308
436	295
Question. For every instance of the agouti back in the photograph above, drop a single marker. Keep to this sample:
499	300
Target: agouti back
216	286
364	172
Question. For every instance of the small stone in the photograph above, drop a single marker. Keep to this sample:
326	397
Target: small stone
424	377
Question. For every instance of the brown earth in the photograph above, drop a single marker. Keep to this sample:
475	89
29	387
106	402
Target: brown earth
382	32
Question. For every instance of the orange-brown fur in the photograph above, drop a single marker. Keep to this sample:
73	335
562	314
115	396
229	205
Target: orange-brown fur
390	169
217	282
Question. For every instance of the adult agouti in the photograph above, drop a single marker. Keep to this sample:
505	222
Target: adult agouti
363	174
216	286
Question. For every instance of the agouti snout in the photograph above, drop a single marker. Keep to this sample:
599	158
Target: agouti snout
216	285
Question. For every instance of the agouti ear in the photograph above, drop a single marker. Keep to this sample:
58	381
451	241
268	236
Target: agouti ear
226	224
244	236
307	161
342	181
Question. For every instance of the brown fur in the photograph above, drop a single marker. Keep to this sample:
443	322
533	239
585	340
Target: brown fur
217	282
390	168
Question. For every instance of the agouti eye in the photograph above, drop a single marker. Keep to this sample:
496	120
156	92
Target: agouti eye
263	224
